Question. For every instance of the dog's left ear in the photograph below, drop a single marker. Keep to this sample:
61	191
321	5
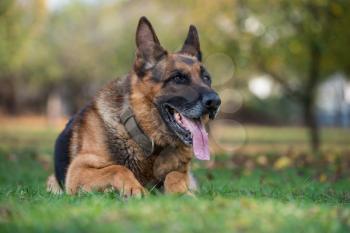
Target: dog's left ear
149	51
191	45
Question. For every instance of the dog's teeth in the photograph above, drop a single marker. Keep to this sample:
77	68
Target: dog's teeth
177	116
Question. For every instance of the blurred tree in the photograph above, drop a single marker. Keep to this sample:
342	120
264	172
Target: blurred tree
298	43
70	51
19	23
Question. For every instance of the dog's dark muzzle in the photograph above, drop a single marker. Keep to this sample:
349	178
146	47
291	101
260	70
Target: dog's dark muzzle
193	105
211	103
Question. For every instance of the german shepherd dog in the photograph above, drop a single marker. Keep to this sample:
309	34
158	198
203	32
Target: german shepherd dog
141	130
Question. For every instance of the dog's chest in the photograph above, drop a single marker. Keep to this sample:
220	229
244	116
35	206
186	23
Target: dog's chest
130	156
149	170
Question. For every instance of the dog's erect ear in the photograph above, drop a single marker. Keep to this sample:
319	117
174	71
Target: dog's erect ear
149	51
191	45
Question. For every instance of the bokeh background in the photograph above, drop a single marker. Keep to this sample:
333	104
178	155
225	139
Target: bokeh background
277	63
282	69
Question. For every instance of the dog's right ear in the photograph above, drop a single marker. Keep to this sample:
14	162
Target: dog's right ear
149	51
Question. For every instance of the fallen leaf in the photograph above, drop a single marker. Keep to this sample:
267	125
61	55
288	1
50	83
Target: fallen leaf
282	163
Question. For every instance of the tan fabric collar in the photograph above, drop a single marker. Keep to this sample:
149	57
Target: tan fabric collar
135	132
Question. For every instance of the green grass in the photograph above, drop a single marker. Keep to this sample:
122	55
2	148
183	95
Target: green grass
231	199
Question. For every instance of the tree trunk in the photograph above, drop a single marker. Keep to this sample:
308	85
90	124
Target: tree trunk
8	100
310	121
310	96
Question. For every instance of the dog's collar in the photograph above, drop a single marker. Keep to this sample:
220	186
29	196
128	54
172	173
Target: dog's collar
135	132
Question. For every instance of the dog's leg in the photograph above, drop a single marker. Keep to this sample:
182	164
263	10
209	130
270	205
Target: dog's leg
81	175
177	182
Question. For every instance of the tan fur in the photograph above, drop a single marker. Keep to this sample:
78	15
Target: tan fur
99	179
177	183
94	162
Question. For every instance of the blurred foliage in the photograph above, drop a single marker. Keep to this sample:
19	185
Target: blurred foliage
288	111
73	49
285	30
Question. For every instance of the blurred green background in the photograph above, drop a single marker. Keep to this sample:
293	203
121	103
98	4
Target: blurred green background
276	62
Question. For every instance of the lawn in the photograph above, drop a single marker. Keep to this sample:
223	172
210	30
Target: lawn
255	190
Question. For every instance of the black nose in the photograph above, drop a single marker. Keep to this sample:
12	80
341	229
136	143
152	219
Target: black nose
211	101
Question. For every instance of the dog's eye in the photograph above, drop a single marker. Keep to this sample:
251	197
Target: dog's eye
180	79
206	79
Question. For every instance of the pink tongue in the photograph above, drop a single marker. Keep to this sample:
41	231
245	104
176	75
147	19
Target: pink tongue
199	137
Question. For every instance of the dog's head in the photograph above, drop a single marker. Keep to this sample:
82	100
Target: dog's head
178	85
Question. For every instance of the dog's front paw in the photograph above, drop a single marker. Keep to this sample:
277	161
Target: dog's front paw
176	183
132	191
128	186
